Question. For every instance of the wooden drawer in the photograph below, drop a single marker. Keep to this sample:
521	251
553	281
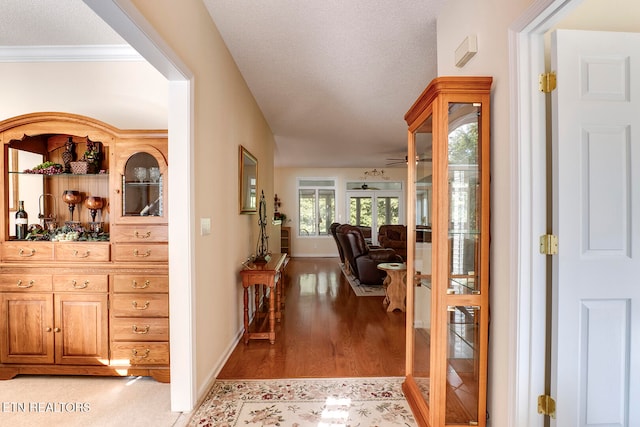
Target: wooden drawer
139	233
140	283
81	282
140	305
82	251
25	282
140	329
131	353
27	251
140	252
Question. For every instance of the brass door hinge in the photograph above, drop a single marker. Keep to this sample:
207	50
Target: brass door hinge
549	244
546	405
547	82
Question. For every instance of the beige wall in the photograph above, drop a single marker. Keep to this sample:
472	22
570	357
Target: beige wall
598	15
225	116
490	20
286	182
127	95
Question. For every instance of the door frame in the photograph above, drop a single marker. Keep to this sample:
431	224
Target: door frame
528	302
132	26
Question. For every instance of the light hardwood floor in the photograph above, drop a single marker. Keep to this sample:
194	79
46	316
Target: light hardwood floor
326	331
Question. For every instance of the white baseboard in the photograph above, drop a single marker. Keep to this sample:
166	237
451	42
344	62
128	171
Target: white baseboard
202	391
314	255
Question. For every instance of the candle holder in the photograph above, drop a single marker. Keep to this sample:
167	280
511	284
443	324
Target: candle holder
94	204
72	198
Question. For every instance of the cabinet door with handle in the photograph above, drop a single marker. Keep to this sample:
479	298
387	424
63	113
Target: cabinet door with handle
27	333
81	329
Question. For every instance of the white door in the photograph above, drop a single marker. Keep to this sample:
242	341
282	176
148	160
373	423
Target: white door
595	372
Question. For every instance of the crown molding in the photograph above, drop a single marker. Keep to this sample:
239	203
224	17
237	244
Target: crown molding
87	53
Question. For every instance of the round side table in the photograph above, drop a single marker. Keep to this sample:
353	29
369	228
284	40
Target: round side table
395	284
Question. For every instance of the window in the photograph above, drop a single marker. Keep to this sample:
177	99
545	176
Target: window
316	206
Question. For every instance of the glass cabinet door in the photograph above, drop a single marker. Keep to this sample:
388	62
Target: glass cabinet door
140	186
448	252
464	233
422	258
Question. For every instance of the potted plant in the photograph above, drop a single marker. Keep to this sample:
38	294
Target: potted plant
92	156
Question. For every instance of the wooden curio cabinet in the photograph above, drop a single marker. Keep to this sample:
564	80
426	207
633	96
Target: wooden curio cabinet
86	292
448	283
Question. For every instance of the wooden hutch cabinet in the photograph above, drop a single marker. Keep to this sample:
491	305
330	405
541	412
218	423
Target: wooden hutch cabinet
448	279
87	291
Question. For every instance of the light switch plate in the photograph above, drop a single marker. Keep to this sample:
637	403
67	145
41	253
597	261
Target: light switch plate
205	226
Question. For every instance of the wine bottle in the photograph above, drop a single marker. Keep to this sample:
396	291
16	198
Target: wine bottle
22	222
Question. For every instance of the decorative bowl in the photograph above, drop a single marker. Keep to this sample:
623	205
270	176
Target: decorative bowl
93	202
71	197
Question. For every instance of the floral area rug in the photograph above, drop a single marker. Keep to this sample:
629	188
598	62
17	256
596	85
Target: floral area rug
361	402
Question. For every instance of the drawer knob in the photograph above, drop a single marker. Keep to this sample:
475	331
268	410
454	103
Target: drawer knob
141	332
142	236
56	329
144	255
79	286
144	307
77	254
28	285
48	329
134	353
24	253
134	285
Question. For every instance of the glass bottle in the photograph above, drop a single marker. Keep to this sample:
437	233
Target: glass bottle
22	222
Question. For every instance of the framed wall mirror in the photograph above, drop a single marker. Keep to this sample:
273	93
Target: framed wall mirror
248	166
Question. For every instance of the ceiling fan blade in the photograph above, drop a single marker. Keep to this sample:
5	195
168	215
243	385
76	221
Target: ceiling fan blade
405	160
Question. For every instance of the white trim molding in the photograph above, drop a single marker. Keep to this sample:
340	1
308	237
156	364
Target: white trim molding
527	311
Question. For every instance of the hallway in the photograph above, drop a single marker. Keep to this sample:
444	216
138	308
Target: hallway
326	331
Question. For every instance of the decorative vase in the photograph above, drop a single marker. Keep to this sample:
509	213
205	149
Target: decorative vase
69	155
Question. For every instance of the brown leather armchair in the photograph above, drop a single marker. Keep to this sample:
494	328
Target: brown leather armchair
363	261
394	237
332	230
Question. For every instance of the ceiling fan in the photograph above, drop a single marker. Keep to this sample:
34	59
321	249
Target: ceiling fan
365	186
405	160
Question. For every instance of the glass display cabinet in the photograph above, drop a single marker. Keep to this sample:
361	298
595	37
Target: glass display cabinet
448	252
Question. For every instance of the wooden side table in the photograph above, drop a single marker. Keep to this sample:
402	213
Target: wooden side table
395	284
262	277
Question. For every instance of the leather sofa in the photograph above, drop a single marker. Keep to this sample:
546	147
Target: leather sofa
394	237
363	260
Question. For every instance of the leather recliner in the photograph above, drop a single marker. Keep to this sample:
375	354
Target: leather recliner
332	230
394	236
363	261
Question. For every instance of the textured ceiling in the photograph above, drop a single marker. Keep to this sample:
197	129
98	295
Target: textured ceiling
53	23
334	78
